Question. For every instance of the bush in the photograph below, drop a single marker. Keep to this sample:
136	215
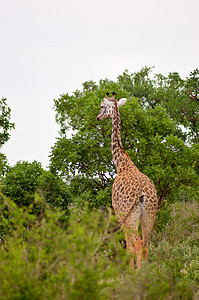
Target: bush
28	185
87	261
181	225
13	220
52	263
21	182
173	268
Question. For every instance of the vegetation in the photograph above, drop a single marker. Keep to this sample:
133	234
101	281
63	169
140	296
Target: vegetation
42	260
5	124
25	179
57	228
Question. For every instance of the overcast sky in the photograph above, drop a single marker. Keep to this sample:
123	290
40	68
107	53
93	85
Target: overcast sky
50	47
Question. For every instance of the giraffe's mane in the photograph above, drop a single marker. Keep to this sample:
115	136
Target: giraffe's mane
120	145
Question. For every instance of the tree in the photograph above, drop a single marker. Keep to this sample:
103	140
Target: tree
5	124
3	165
21	182
152	138
54	190
25	180
5	127
180	97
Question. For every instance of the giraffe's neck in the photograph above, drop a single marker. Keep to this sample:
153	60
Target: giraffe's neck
120	158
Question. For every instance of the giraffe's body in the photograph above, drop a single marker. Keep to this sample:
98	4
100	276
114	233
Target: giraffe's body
134	196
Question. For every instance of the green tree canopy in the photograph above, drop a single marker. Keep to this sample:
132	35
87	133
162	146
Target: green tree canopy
21	181
152	137
180	97
25	179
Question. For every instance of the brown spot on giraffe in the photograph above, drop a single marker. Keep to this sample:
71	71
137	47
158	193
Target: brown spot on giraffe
134	197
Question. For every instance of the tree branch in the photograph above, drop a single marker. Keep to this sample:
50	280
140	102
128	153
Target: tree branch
188	117
193	97
95	181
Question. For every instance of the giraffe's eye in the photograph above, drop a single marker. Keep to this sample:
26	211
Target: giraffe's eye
101	106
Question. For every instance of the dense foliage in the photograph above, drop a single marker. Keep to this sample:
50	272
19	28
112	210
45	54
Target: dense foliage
179	96
43	261
25	180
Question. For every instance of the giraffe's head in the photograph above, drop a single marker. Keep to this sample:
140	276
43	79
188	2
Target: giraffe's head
107	106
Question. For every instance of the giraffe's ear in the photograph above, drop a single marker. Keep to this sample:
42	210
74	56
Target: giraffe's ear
121	102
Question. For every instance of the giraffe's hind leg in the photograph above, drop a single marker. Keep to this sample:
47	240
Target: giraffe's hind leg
147	223
133	239
130	248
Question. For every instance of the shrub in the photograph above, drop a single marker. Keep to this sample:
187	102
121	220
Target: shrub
21	181
87	261
52	263
182	224
28	185
13	220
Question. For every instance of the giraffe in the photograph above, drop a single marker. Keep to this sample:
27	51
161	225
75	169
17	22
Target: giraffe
134	197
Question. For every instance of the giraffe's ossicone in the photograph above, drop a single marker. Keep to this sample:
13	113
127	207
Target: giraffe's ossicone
134	197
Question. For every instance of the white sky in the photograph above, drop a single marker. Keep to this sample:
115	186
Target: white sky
50	47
